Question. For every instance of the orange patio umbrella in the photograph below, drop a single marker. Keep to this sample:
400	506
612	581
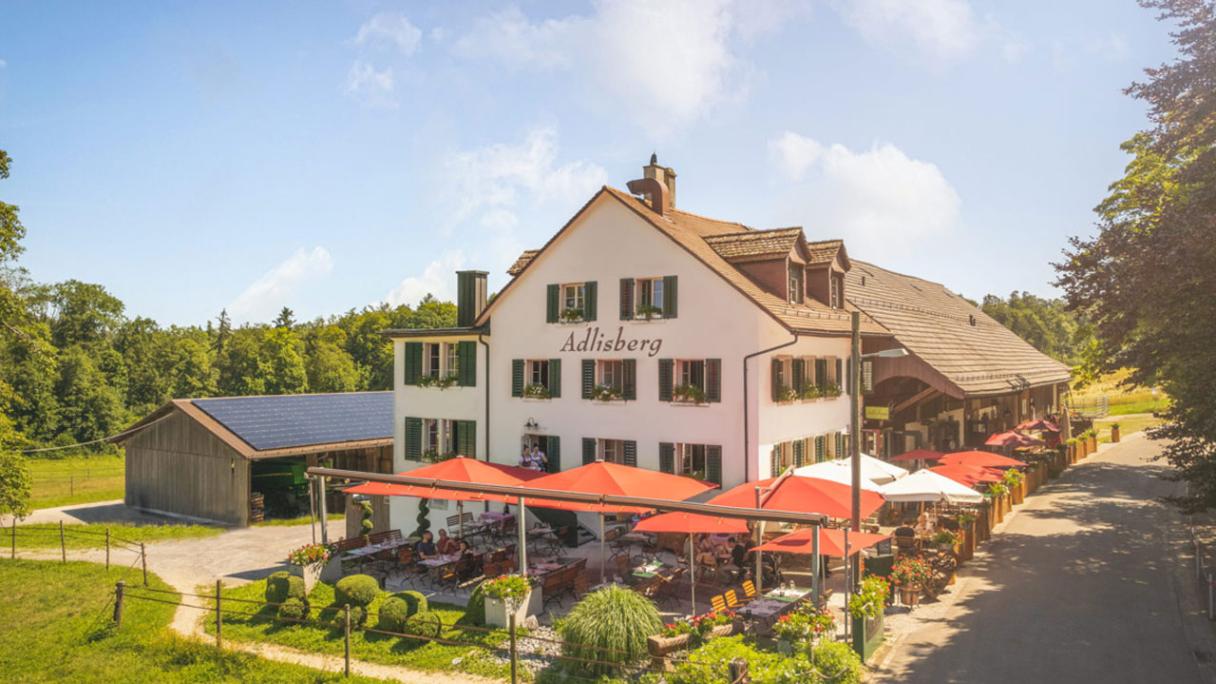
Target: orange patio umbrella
1012	438
801	494
692	524
985	459
831	542
1039	424
969	475
605	477
919	455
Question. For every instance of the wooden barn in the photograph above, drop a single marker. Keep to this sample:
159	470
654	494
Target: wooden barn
235	460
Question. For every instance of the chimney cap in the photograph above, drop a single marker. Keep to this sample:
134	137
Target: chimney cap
474	272
654	158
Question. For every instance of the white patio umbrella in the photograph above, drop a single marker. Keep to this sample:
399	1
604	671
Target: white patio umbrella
873	469
828	470
929	487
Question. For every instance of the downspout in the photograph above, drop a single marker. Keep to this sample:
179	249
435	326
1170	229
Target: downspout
481	340
746	437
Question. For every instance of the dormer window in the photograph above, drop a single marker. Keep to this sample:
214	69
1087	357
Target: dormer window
795	286
836	296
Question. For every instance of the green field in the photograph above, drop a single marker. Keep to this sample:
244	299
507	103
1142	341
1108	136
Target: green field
93	536
1127	424
57	628
1122	400
75	479
318	636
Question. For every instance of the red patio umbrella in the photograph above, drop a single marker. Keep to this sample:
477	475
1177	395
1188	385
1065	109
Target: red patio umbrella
692	524
604	477
1012	438
968	474
981	458
801	494
831	542
919	455
1039	424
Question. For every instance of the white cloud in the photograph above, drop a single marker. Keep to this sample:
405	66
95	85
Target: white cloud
666	63
3	63
390	28
944	30
371	85
269	293
1110	46
880	200
437	279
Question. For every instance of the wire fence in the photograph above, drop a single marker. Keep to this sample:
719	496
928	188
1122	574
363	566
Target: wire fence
50	485
41	538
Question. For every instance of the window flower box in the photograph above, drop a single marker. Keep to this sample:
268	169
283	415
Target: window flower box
442	382
688	394
536	392
571	316
646	312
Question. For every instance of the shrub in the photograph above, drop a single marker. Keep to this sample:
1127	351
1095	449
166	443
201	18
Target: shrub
424	624
475	611
415	602
507	588
294	609
837	663
394	612
871	599
357	590
283	585
610	625
710	665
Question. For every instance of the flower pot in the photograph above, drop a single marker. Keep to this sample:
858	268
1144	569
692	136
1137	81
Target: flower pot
310	573
909	596
498	615
1114	434
659	646
332	570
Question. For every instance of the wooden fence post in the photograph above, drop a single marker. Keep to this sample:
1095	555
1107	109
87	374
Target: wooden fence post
738	672
107	548
219	617
63	547
13	550
346	630
143	558
514	655
118	593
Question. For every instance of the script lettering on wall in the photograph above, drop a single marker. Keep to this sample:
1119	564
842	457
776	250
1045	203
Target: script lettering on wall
593	340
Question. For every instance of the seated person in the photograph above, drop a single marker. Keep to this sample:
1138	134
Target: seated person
739	552
707	552
425	548
463	549
446	545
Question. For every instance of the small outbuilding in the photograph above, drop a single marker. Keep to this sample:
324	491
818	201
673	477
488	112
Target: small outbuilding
235	460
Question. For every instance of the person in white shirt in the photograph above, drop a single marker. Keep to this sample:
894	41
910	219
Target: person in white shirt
539	460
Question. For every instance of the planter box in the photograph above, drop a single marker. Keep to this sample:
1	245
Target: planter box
867	636
1114	434
332	571
498	616
312	573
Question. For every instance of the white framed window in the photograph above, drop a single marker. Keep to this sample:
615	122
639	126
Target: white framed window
610	450
795	285
452	369
690	461
538	372
610	373
648	295
690	373
573	296
437	437
836	295
432	359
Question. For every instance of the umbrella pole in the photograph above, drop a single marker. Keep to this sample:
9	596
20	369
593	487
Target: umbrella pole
815	570
848	584
759	554
523	540
692	573
460	516
603	553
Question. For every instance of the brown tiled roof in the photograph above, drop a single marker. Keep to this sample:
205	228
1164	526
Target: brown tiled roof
754	243
935	324
522	261
823	251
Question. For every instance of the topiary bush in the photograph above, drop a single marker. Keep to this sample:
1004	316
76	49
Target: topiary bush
293	609
837	663
415	601
394	612
475	610
610	625
424	624
357	590
283	585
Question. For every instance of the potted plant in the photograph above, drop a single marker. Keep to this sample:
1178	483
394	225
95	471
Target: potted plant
647	312
688	393
572	315
605	393
866	609
966	523
443	382
1114	433
1013	480
945	540
810	392
910	575
830	390
506	596
310	562
786	393
535	391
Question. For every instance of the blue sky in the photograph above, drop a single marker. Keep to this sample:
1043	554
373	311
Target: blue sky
330	155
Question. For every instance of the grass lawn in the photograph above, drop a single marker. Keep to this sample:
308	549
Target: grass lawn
1127	425
57	629
92	535
75	479
302	520
1123	400
318	636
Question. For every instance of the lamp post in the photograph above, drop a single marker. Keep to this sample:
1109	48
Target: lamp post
855	359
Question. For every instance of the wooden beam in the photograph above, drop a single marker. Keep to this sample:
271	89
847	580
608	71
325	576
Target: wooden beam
926	393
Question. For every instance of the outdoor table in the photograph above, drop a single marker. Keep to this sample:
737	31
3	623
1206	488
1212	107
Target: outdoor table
649	570
546	566
772	605
433	565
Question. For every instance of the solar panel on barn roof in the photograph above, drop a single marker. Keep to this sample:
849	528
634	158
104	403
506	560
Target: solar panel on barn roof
293	420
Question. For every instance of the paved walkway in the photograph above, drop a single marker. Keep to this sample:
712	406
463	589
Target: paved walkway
1088	582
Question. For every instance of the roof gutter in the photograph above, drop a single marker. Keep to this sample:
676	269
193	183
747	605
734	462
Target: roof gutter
747	475
482	341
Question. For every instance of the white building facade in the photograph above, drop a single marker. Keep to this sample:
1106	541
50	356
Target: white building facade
639	334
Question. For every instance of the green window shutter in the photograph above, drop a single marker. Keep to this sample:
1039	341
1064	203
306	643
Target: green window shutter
820	448
666	371
797	365
466	438
588	450
631	453
848	380
626	299
517	377
553	451
669	297
839	375
713	464
840	452
588	377
413	439
821	372
798	453
774	462
713	380
552	298
776	375
590	300
555	378
629	379
413	362
667	457
466	353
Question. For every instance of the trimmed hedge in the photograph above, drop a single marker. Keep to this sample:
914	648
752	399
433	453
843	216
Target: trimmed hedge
475	610
293	609
357	590
394	612
415	601
283	585
426	624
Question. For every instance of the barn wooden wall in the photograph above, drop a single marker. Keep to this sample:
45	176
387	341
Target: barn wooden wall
176	466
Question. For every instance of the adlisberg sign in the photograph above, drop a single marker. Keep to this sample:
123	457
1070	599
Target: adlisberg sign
592	340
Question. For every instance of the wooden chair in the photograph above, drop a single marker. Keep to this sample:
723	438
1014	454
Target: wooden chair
732	599
620	564
749	589
552	586
717	602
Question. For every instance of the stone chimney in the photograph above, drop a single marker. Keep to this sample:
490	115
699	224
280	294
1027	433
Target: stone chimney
663	174
657	185
470	296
